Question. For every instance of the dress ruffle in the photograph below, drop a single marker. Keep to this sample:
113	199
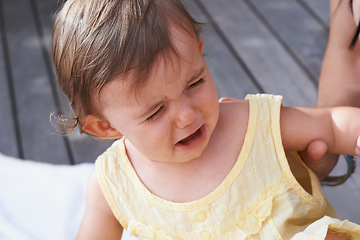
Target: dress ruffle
253	220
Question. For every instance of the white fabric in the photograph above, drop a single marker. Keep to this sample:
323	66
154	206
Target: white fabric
40	201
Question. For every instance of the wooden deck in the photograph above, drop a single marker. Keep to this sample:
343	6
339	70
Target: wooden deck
272	46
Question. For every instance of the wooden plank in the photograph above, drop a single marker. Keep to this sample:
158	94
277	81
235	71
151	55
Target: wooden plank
265	56
319	9
46	11
302	35
8	140
229	76
33	91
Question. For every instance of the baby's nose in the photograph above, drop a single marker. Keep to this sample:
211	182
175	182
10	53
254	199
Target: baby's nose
186	116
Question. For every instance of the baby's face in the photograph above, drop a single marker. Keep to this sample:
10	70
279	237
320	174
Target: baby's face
172	118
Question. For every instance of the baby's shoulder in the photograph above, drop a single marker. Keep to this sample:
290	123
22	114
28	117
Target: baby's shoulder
233	118
234	111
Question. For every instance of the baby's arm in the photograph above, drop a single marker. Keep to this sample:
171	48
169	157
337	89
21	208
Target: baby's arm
338	127
315	155
98	222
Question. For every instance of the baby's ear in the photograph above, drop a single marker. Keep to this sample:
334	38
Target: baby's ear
100	128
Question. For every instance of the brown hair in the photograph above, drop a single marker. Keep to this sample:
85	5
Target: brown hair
94	41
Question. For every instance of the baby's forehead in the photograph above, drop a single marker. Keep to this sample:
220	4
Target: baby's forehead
163	67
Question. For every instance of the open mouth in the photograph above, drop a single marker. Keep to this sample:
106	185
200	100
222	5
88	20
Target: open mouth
191	138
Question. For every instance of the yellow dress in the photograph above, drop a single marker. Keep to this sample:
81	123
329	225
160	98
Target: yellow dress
259	199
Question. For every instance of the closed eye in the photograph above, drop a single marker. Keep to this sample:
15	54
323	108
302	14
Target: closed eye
197	83
156	114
